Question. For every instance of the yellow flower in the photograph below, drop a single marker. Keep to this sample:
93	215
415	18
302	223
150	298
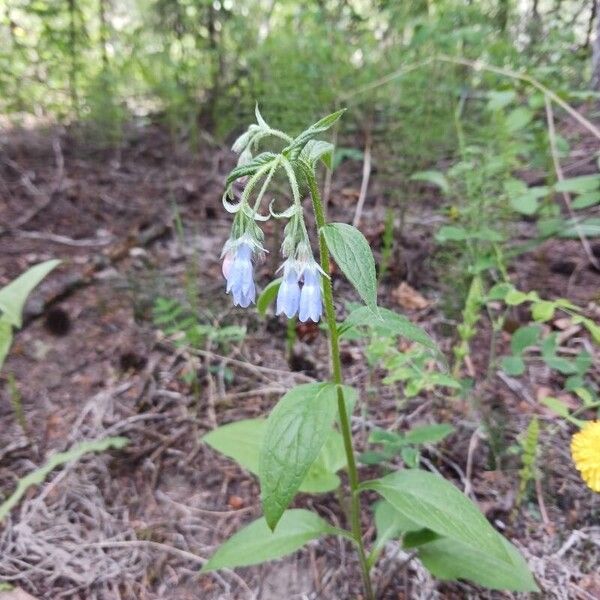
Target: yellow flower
585	449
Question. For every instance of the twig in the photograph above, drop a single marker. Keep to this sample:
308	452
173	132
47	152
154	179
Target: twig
560	176
473	442
250	367
478	65
62	239
516	387
366	174
541	503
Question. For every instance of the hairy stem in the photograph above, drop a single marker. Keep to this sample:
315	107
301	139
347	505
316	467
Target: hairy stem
336	368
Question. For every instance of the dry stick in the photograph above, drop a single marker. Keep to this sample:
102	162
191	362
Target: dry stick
560	176
366	174
481	66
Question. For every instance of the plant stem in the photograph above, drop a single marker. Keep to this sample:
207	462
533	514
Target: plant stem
336	368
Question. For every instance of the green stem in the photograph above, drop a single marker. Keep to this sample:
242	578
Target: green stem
336	367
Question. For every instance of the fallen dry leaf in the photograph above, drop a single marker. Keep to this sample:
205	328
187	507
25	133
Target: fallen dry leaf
407	297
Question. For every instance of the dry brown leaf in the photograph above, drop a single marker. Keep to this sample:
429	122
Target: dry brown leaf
407	297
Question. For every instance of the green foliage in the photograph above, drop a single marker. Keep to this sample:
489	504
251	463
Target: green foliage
389	323
242	441
470	316
176	320
407	444
352	253
38	476
297	430
529	450
12	301
267	296
466	538
256	543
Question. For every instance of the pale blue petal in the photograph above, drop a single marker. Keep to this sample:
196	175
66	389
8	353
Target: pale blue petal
311	305
288	297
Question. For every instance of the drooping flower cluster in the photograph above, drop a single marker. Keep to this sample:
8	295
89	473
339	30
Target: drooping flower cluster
300	291
300	287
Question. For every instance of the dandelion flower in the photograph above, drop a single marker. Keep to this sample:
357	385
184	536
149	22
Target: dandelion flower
585	449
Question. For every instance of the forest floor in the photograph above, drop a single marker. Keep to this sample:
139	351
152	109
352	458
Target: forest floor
90	362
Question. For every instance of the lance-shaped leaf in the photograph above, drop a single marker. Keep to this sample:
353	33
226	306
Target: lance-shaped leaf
256	543
448	559
316	150
389	323
434	503
322	125
268	295
297	429
353	255
242	441
14	295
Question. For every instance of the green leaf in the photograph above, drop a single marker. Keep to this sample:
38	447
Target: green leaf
249	168
499	291
451	233
543	310
516	297
524	337
433	503
414	539
14	295
316	150
497	100
267	296
434	177
560	364
561	409
38	476
352	253
256	543
297	430
526	204
298	144
518	118
589	227
448	559
389	323
579	185
389	524
242	441
428	434
513	365
586	200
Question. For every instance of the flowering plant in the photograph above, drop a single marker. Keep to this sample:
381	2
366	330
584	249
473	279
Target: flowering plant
307	437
